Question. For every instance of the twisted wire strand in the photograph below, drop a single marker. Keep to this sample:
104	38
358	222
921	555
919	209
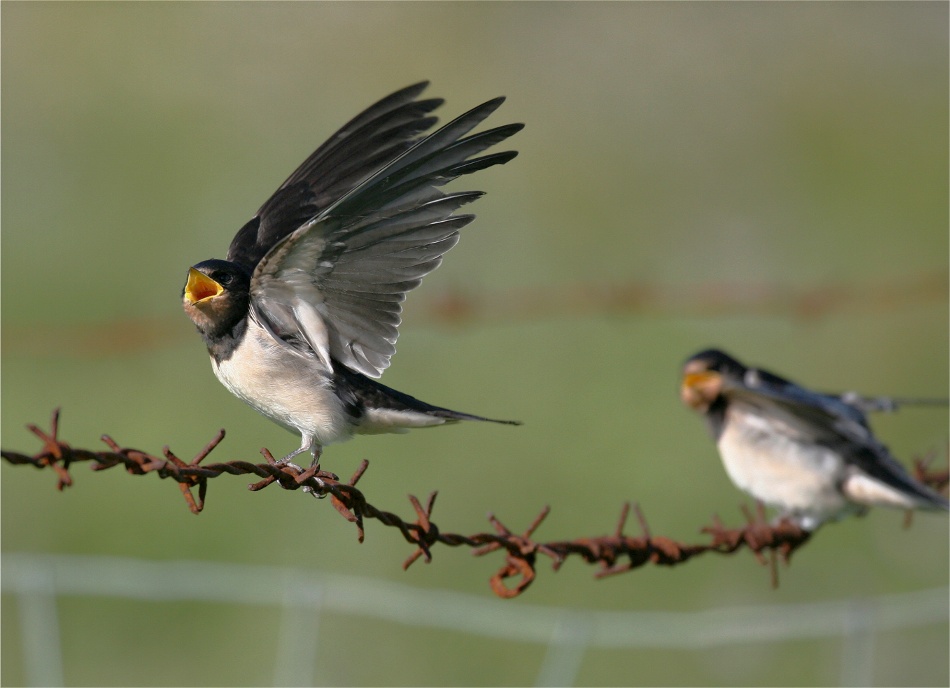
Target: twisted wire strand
613	554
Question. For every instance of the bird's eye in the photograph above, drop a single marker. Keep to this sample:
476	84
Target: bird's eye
223	278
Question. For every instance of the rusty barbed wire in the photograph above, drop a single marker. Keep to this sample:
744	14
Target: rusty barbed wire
936	478
613	554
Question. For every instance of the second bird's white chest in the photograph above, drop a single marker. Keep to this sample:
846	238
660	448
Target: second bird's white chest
779	468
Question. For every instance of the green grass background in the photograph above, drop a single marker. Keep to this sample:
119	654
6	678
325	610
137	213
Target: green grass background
677	144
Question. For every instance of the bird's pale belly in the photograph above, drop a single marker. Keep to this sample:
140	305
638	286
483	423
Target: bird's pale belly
782	471
290	390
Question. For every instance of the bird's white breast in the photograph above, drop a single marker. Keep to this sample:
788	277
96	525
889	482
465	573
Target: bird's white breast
291	390
779	468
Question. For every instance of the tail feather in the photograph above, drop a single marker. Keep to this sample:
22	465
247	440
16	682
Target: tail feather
363	395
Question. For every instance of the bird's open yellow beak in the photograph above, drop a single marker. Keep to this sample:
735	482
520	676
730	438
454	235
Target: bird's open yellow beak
200	287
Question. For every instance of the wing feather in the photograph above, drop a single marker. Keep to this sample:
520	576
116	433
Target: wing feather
354	259
365	144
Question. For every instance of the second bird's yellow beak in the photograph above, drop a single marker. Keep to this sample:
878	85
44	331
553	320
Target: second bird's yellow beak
699	388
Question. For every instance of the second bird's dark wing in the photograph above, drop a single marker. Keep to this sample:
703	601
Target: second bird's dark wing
335	285
831	421
369	141
828	410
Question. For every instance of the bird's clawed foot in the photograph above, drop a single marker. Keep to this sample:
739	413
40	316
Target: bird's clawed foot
316	450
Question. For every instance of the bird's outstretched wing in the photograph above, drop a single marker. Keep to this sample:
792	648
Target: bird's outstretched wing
335	284
362	146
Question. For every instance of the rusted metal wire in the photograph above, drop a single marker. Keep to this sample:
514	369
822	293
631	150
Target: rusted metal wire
613	554
936	478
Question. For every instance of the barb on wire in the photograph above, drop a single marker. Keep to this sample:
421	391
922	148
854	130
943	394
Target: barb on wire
613	554
936	478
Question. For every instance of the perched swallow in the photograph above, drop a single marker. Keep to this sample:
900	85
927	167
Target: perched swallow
305	311
810	455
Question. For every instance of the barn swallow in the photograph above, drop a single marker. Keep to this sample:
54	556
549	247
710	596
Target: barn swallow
810	455
304	312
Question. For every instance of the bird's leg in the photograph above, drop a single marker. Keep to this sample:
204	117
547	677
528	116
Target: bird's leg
317	451
286	461
307	444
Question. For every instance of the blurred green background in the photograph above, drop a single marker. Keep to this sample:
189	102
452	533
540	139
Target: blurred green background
727	154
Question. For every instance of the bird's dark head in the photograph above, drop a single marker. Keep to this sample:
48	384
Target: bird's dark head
216	296
705	375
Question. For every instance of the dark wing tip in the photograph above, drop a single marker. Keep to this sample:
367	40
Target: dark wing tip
410	91
488	107
502	158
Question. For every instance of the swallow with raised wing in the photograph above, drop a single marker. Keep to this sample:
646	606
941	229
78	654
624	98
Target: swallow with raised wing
304	313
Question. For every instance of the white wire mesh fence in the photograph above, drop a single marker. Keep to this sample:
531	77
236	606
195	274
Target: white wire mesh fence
37	581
